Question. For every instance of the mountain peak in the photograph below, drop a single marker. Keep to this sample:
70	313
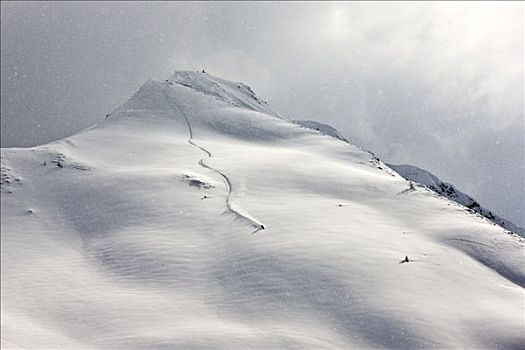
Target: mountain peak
233	93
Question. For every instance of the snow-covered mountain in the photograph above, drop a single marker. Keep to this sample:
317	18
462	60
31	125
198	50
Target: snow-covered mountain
196	217
424	177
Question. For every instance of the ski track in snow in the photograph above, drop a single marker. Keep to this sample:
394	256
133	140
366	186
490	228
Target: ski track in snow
252	222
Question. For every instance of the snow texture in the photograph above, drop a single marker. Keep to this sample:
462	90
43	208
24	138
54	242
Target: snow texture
107	242
322	128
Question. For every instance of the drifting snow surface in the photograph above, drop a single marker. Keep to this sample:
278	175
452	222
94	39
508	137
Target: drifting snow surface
137	233
428	179
322	128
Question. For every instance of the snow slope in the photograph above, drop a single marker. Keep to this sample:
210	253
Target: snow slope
144	231
428	179
322	128
424	177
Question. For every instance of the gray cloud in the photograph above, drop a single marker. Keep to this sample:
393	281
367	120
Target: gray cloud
437	85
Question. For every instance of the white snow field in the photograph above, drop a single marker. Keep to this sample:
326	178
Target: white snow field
134	235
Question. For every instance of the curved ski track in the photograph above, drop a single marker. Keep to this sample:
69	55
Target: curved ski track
258	226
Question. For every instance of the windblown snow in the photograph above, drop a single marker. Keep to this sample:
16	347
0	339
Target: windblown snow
322	128
195	217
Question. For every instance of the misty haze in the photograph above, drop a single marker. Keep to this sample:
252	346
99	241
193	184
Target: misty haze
237	175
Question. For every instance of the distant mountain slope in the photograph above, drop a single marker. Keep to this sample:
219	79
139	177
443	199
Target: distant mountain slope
424	177
196	217
447	190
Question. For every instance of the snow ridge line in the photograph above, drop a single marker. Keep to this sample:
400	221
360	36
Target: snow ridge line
257	225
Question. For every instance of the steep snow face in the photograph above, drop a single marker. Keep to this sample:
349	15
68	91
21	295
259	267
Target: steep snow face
183	220
447	190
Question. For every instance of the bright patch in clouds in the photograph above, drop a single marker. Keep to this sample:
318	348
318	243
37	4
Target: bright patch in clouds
337	24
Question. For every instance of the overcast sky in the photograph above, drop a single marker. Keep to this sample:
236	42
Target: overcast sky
436	85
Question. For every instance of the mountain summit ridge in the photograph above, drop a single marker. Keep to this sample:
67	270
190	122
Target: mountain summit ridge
234	93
